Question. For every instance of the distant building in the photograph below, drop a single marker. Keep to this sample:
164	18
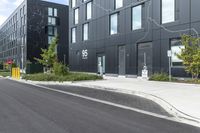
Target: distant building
31	27
125	36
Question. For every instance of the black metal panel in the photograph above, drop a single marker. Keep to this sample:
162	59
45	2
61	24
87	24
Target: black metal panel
37	21
187	17
30	34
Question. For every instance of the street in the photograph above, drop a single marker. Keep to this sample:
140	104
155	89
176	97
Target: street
29	109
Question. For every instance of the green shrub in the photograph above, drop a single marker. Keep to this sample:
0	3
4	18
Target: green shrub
1	65
5	73
193	81
60	69
14	65
68	77
159	77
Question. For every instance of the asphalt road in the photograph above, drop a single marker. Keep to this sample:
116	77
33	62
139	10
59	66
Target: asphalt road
114	97
30	109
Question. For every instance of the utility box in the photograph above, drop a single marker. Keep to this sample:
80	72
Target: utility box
32	68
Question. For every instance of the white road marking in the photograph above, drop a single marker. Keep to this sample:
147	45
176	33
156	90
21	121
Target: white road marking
174	119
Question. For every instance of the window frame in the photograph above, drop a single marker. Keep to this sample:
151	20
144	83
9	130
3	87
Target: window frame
110	23
117	7
73	3
86	14
74	28
174	14
83	29
76	21
178	64
141	17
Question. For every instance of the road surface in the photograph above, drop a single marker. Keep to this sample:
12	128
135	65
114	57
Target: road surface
29	109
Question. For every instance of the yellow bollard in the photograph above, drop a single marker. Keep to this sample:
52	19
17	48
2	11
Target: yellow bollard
16	73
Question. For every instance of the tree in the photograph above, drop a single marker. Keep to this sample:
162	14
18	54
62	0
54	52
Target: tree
49	55
191	55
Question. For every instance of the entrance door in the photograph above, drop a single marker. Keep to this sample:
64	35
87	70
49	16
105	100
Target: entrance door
101	63
145	57
122	60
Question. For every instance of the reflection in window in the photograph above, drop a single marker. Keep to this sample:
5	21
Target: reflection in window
168	11
50	11
85	32
89	10
137	17
73	35
176	48
51	21
76	17
73	3
118	4
55	12
114	24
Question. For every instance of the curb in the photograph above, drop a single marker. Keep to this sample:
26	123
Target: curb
163	103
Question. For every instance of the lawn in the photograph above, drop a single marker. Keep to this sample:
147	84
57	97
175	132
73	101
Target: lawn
72	76
5	73
164	77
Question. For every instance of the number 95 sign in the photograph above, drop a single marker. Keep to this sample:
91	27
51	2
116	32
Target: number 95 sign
85	54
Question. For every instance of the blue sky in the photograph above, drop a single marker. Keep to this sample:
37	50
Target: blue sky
8	6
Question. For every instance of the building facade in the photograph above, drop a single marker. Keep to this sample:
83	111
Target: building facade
125	36
32	26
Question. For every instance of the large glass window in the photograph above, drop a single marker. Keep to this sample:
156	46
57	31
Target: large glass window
51	21
50	11
114	24
73	3
85	31
168	11
73	34
89	10
52	30
50	38
137	17
55	12
76	16
118	4
176	48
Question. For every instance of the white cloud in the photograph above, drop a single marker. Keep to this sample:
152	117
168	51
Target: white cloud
2	19
7	7
18	2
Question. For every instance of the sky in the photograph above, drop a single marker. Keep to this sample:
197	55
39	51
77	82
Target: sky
8	6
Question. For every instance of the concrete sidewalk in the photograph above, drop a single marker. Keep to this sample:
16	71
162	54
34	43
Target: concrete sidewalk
181	99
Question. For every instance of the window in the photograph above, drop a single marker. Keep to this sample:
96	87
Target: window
137	17
76	16
73	3
21	12
50	30
85	31
51	21
50	11
168	11
55	31
114	24
118	4
55	12
50	38
176	48
73	35
89	10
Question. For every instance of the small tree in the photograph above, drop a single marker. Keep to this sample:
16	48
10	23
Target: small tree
191	55
49	55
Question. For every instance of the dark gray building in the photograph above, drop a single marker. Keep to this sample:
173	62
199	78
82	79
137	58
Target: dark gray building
123	36
31	27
